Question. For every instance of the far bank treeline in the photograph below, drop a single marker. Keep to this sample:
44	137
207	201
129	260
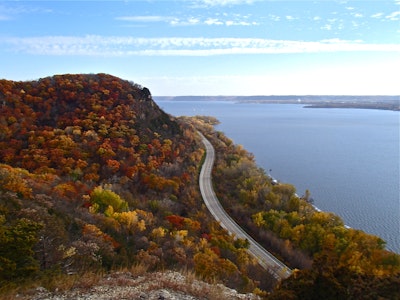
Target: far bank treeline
94	176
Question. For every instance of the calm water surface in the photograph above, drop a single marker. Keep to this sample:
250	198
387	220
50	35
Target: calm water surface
347	158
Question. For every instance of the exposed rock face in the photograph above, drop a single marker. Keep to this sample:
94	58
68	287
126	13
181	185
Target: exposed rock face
150	286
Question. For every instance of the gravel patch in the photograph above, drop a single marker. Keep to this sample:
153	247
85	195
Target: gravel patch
150	286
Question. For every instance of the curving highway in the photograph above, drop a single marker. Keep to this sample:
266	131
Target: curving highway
264	258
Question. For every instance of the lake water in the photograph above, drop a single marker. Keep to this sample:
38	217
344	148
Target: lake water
347	158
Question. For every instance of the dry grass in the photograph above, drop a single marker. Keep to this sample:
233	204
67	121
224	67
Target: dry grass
138	270
53	282
187	282
88	280
8	291
130	282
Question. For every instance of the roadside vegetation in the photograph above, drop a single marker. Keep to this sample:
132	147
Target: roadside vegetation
330	260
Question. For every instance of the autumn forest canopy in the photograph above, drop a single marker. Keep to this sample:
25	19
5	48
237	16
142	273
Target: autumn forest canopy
95	176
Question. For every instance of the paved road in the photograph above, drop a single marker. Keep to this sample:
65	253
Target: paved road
265	259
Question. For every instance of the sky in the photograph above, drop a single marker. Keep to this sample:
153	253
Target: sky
209	47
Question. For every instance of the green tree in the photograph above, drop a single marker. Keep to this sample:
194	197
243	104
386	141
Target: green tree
104	198
16	248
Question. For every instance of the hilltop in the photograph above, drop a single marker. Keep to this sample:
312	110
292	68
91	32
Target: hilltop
94	176
96	179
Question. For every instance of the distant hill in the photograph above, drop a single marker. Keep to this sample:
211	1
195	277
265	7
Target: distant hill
315	101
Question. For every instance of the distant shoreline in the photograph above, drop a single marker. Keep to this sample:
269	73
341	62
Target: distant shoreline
324	101
380	106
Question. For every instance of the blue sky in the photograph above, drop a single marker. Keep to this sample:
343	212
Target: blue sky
209	47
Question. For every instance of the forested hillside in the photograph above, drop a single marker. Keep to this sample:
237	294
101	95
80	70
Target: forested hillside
94	177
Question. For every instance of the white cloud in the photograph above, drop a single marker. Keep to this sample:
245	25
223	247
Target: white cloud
357	15
237	20
187	22
216	21
193	21
327	27
8	11
377	15
144	18
394	16
274	17
223	2
213	21
190	21
94	45
334	24
240	23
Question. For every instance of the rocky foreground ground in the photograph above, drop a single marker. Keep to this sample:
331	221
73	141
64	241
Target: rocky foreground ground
150	286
